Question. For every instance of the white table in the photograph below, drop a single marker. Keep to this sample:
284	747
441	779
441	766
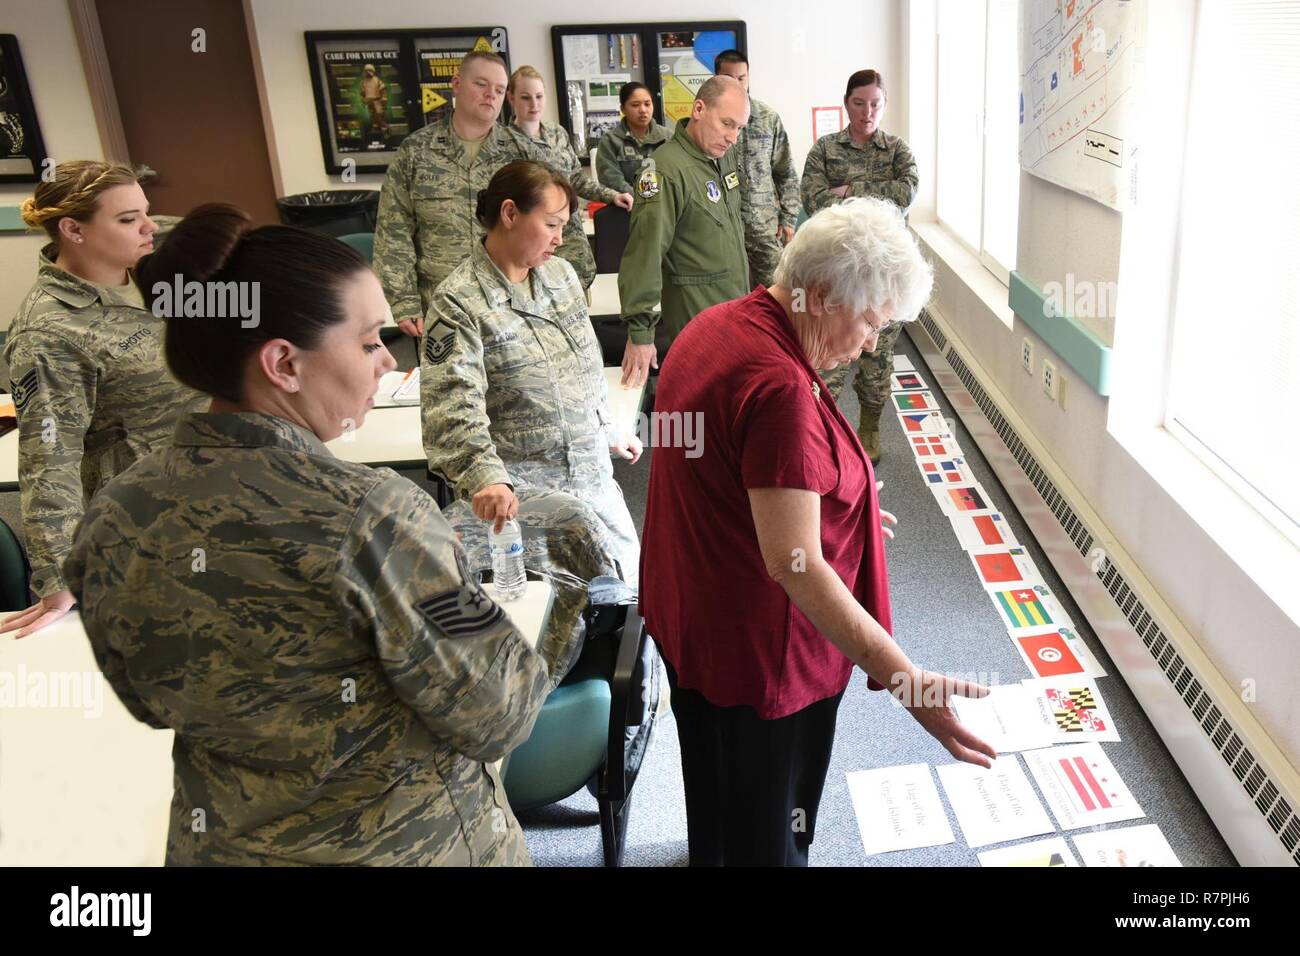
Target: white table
604	296
9	461
83	790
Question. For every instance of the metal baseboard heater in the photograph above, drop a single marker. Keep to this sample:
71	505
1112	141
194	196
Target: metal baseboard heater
1246	784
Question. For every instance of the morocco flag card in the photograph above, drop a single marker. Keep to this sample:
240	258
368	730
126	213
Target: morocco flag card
1003	568
924	423
976	531
907	382
933	446
963	499
1056	652
1029	607
1071	709
914	401
1081	786
945	471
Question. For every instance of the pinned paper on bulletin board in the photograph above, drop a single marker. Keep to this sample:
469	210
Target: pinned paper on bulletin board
827	120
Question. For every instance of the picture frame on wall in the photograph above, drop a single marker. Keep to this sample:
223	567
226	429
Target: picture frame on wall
22	148
373	88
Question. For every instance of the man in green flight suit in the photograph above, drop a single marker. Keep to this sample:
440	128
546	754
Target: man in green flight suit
686	243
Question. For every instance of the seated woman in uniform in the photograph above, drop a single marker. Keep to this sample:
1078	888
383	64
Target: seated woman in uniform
527	96
515	405
624	149
90	387
337	681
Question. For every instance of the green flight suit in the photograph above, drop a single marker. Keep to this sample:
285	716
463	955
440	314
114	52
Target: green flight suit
686	244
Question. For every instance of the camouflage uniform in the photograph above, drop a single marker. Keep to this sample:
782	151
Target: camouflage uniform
620	155
338	684
883	168
425	225
771	188
513	392
92	394
554	143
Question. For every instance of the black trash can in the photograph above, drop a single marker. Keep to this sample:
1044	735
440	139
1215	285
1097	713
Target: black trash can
334	212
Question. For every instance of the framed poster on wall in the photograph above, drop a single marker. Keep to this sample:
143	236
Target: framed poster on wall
593	61
373	88
22	151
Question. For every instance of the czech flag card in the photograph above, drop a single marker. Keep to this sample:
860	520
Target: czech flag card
1081	786
914	401
945	471
924	423
907	382
1051	652
963	499
975	531
933	446
1003	568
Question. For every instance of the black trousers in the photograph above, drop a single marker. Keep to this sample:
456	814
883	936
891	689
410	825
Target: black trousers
752	785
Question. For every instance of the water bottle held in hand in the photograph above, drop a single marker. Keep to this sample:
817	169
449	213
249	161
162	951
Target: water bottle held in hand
507	549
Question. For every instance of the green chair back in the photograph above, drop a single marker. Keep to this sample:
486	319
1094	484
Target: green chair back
363	242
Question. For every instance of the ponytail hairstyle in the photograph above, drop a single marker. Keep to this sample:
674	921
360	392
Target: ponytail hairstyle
298	277
524	182
74	192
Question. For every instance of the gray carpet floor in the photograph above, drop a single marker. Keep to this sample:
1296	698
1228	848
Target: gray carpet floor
945	622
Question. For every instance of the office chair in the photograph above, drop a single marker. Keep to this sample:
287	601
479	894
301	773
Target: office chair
15	572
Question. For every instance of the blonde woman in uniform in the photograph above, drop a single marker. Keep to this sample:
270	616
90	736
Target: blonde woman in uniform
90	387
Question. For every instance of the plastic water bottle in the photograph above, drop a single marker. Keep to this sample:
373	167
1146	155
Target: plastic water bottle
507	549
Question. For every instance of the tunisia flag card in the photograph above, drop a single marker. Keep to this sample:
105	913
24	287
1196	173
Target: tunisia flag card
907	382
1082	786
977	531
1055	652
1003	568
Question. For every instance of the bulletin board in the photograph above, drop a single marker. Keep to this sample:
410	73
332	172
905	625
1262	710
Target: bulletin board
373	88
592	61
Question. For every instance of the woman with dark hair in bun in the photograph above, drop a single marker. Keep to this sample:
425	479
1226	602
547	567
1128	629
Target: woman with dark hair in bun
624	149
515	405
338	683
85	365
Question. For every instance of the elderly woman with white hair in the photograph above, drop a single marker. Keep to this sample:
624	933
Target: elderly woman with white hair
763	568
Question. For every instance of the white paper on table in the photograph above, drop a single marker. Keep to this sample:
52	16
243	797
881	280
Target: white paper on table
981	530
1000	568
963	499
1052	852
1055	652
1007	719
903	364
907	382
392	382
995	805
1082	786
1129	846
1071	709
898	808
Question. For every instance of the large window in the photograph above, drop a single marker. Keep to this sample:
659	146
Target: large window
1235	369
978	166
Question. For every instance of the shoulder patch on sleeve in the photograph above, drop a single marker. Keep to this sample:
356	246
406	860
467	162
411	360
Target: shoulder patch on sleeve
647	185
25	389
438	341
465	611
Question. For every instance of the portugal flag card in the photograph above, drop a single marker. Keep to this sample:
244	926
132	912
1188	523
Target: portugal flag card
914	401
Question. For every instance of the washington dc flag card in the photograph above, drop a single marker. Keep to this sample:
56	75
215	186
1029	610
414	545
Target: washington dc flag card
1081	786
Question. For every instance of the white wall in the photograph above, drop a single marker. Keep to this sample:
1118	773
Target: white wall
59	91
800	54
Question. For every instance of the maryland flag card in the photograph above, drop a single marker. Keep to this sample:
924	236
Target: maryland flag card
1072	709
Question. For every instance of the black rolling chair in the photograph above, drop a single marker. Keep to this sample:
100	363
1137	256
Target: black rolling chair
611	237
15	572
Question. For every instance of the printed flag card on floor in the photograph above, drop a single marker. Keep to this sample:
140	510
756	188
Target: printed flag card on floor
1131	847
1071	709
914	401
1055	652
924	423
1081	786
1027	607
976	531
1005	719
945	471
898	808
963	499
902	363
1003	568
1053	852
907	382
994	805
933	446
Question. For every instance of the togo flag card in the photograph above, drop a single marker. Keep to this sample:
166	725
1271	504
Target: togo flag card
1055	652
924	423
1071	709
1029	607
994	805
914	401
1053	852
1132	847
1004	568
933	446
1081	786
1005	719
945	471
975	531
907	382
963	499
902	363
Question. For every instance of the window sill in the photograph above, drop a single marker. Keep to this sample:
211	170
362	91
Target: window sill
968	267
